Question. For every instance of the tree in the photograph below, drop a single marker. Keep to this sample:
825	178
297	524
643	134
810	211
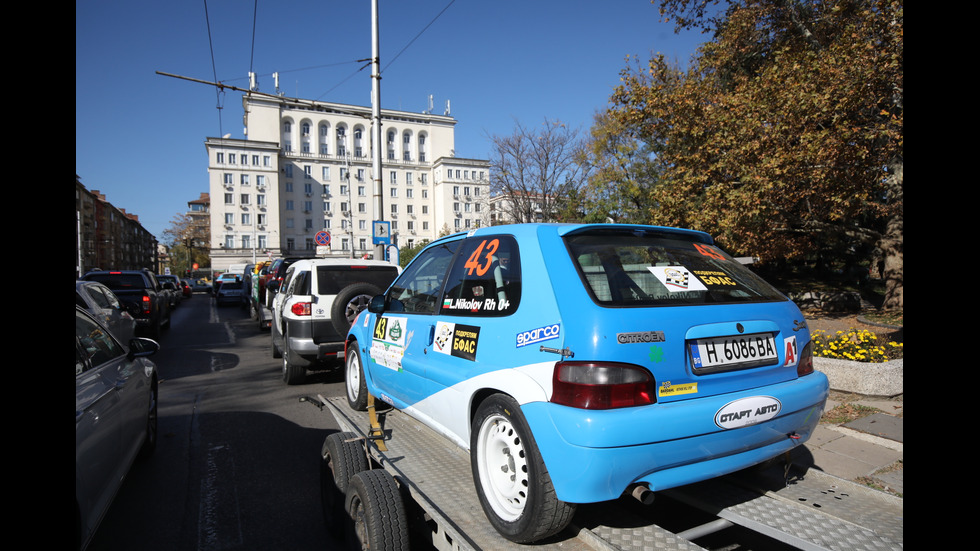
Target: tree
784	138
188	242
620	173
533	170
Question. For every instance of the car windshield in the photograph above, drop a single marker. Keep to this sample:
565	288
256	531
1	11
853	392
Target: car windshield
661	268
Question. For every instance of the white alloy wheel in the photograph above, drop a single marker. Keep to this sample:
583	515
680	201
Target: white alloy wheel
354	379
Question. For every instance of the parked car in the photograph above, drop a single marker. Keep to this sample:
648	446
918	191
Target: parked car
315	307
104	306
172	284
230	291
276	274
185	288
140	288
201	285
115	416
575	362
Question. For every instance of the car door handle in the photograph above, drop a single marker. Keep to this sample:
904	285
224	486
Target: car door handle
432	335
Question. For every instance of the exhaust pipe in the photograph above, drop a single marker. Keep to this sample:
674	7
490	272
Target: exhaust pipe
643	494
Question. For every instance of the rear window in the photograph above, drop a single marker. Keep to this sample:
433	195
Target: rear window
118	282
657	268
331	279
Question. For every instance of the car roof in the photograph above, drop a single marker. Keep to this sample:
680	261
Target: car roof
563	229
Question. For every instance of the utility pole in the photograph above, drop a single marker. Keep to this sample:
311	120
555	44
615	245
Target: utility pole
379	249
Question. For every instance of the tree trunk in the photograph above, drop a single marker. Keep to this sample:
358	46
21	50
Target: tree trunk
892	245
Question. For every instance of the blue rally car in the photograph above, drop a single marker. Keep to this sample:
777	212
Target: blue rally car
576	362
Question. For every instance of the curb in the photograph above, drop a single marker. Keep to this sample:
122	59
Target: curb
869	379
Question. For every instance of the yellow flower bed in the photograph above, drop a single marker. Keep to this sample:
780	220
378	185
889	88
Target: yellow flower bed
858	345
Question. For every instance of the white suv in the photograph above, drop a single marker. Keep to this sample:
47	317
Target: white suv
315	306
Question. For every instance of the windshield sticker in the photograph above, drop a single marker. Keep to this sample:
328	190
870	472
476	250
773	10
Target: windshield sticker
789	343
388	346
540	334
641	336
676	278
456	339
666	389
476	305
709	251
715	278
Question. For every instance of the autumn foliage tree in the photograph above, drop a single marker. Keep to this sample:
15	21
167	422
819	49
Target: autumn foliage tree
784	138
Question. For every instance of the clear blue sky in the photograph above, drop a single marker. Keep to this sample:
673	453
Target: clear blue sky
139	136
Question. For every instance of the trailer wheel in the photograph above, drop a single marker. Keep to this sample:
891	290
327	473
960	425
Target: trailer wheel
377	513
341	461
354	379
512	482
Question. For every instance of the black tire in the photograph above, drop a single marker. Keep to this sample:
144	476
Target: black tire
292	373
150	444
276	353
341	461
349	302
511	480
376	513
356	387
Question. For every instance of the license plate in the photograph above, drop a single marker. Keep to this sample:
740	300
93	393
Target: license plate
733	352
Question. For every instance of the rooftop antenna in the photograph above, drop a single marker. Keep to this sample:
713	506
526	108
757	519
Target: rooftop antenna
275	77
447	108
429	110
253	84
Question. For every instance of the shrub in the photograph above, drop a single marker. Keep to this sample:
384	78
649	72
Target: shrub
854	344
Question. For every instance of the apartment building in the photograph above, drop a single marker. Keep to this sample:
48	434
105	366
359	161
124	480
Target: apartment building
306	167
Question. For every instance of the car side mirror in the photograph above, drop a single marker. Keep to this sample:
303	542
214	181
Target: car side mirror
140	347
377	304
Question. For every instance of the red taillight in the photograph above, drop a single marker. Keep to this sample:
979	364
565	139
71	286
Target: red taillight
602	385
300	308
146	304
805	365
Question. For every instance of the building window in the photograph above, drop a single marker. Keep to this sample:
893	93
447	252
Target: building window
260	180
229	199
262	244
408	193
229	218
260	219
229	179
361	191
307	172
326	173
393	177
288	170
244	159
266	160
408	178
219	158
244	179
229	241
244	199
394	192
231	158
246	219
308	188
289	204
425	179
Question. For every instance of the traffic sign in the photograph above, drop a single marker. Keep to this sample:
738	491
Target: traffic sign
382	232
322	238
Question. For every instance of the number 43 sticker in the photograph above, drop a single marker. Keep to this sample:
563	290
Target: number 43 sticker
480	261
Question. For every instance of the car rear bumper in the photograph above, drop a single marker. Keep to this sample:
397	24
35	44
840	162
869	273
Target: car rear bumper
302	343
589	460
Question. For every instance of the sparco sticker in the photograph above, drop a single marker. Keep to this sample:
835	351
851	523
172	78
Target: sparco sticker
540	334
747	411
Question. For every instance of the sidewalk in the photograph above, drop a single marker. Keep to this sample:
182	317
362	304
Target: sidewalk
868	451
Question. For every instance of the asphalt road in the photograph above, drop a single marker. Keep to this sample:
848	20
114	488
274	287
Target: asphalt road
237	463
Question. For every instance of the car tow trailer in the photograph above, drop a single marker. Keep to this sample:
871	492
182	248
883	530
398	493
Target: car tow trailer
261	314
407	459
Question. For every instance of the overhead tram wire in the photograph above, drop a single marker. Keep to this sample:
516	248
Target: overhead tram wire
214	72
410	42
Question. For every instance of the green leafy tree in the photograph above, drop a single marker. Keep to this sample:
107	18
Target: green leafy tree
188	241
784	138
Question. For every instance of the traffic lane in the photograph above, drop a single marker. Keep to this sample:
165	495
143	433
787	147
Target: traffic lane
237	464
